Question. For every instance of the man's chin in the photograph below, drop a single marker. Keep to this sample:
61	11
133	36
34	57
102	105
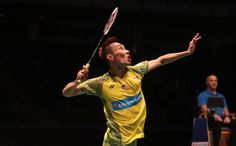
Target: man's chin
129	63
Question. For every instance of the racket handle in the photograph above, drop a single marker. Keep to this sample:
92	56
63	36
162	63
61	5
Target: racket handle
87	67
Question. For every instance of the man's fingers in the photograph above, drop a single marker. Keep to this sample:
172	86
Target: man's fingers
85	68
197	37
80	74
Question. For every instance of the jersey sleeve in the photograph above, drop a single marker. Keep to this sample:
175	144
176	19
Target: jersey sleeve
141	68
201	100
92	86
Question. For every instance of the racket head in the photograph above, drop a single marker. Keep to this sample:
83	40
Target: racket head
110	21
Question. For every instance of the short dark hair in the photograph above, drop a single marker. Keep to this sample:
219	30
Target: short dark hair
103	49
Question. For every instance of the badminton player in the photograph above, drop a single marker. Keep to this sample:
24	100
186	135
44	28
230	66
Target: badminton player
120	90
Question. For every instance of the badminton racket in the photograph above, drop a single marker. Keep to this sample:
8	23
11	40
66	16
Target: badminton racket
106	29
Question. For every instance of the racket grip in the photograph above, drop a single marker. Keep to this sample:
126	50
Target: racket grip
87	67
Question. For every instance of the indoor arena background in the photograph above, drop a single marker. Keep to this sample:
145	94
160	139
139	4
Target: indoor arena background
44	43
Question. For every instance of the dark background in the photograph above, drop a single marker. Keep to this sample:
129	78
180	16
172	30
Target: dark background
44	43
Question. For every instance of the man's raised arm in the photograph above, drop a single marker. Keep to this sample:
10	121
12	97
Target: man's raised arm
171	57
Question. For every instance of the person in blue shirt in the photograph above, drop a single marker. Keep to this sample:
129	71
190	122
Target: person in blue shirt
217	116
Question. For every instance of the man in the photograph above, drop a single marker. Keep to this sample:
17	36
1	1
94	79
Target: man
218	115
120	90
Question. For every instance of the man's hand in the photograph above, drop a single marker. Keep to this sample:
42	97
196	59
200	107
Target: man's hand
82	75
193	42
218	118
227	120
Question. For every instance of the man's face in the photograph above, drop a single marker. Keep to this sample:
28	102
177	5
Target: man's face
120	54
212	82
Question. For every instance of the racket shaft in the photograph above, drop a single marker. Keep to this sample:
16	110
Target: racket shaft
95	50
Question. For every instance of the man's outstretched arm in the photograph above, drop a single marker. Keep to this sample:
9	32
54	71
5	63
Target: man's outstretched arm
171	57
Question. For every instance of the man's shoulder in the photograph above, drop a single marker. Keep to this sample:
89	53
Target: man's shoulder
140	67
99	79
220	94
139	63
203	93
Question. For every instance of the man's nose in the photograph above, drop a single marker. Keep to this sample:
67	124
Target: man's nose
127	51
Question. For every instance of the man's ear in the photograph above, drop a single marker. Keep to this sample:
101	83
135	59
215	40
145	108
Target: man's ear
109	57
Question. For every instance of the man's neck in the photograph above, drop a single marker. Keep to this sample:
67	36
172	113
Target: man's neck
117	71
212	90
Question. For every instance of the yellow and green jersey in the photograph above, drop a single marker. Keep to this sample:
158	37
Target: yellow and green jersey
124	103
